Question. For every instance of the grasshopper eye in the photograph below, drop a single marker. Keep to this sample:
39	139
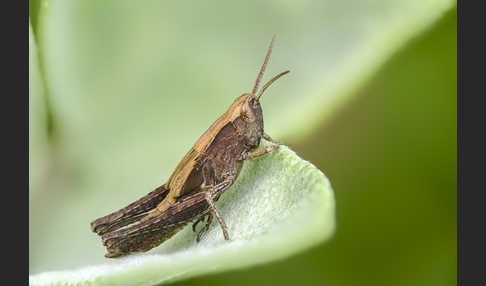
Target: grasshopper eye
244	116
247	115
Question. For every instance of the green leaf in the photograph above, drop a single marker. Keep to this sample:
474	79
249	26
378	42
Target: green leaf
38	144
131	87
279	205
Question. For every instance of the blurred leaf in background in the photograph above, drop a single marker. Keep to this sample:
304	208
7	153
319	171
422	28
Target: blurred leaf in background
38	137
118	76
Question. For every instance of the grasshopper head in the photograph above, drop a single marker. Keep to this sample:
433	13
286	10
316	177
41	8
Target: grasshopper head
251	113
251	119
250	108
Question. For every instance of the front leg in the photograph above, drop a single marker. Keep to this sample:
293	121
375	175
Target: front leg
258	152
268	138
261	151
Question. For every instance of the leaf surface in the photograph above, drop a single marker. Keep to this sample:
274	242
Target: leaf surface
279	205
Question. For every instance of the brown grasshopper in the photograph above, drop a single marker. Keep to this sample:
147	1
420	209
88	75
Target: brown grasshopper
205	172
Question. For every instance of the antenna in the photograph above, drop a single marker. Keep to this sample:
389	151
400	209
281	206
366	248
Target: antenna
269	83
262	69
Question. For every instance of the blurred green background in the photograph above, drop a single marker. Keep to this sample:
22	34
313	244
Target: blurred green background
391	157
388	148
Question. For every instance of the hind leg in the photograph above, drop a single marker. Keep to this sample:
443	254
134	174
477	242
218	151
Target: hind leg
200	219
205	227
197	222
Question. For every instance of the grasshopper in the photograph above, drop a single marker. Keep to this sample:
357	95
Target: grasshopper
205	172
